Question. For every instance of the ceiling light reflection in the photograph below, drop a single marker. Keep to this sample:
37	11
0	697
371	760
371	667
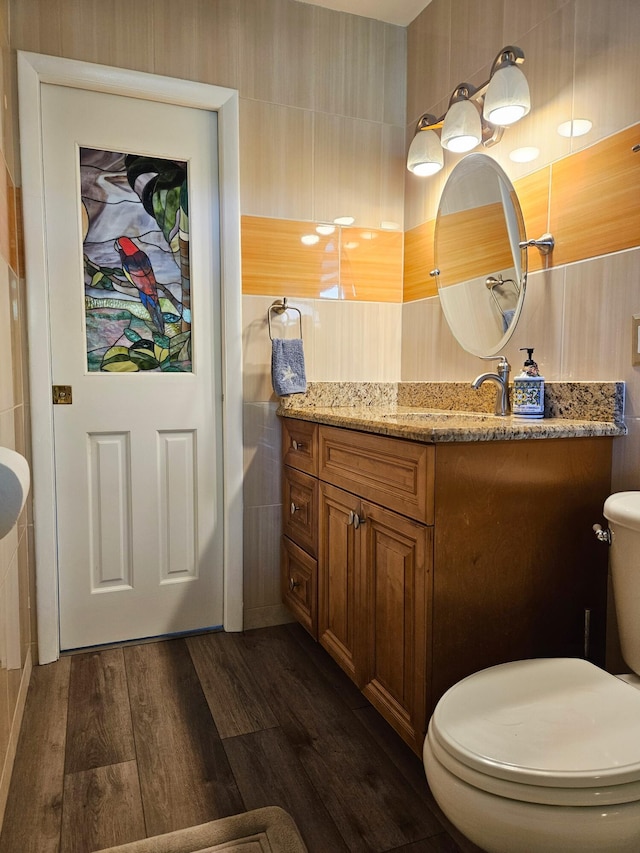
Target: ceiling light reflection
577	127
524	155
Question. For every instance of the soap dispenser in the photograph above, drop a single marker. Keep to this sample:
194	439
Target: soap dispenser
528	390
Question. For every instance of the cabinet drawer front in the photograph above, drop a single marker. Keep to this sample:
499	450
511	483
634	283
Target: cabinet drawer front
395	473
300	445
300	585
300	509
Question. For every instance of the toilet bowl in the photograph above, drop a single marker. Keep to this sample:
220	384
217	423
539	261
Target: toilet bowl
539	756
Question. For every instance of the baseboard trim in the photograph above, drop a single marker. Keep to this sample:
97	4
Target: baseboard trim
266	617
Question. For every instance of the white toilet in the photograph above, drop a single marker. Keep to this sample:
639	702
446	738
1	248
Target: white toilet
539	756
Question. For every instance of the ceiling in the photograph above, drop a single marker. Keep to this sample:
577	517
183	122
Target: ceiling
400	12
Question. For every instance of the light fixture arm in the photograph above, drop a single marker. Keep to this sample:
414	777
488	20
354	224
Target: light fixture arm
511	55
462	92
428	121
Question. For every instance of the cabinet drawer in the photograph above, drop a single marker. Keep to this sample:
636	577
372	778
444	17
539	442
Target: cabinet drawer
300	585
394	473
300	445
300	509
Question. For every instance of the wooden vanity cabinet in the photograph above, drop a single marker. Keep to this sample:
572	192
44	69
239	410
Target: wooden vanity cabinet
299	568
434	561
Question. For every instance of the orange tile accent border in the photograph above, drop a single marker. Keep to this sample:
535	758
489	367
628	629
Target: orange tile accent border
471	242
594	199
533	195
15	230
418	262
5	213
371	265
588	201
350	263
275	261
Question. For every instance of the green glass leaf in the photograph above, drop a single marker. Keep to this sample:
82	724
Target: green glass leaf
124	366
142	354
134	337
162	340
117	359
184	199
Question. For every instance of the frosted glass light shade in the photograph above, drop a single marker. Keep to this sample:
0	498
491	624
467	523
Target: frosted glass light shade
425	154
462	128
507	99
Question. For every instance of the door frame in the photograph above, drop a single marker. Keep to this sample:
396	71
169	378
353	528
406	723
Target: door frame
34	70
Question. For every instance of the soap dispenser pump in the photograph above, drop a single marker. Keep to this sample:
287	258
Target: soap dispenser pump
528	389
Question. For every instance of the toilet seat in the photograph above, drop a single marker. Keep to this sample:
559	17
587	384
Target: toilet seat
557	731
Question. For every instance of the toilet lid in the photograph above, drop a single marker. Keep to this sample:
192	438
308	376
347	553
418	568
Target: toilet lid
557	722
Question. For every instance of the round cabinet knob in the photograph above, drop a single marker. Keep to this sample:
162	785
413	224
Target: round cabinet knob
293	584
297	445
293	508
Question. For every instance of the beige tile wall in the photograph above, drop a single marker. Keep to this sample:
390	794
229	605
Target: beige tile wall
17	629
322	118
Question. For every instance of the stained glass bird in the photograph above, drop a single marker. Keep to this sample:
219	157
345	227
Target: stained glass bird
137	268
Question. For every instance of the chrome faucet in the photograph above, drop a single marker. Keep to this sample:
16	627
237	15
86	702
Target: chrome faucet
501	378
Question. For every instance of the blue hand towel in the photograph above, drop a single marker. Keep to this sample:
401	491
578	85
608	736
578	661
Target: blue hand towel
507	318
287	366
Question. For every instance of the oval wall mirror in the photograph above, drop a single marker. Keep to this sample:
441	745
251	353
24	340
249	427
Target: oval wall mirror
481	269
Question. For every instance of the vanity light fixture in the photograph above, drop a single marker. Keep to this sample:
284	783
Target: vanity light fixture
425	152
507	98
462	128
474	116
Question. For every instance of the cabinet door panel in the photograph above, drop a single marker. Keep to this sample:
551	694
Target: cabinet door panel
337	552
395	580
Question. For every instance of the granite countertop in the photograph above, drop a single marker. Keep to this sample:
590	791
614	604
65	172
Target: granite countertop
438	412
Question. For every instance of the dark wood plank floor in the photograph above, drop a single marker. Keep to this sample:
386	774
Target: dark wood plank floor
120	744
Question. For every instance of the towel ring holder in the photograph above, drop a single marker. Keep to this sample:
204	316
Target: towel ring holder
497	281
281	307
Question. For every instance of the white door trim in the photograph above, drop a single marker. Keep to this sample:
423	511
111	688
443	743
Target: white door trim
34	70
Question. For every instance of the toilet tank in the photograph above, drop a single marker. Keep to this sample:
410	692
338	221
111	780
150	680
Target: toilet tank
622	511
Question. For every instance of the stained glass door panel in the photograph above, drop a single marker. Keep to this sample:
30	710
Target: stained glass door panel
137	288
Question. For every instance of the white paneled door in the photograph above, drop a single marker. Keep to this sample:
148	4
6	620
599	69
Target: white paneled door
138	469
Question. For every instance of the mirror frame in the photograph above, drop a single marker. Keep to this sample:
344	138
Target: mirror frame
460	253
